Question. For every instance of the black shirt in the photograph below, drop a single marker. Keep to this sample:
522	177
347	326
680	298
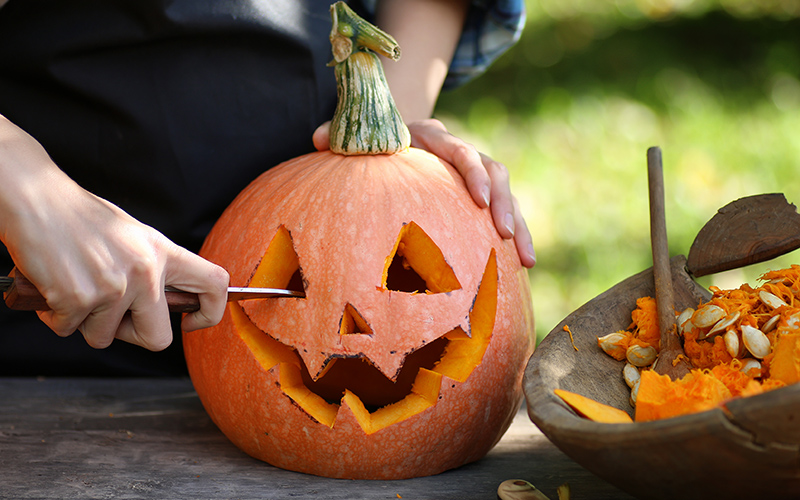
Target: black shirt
167	109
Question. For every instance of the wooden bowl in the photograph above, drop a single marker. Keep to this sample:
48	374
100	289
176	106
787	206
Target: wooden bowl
750	448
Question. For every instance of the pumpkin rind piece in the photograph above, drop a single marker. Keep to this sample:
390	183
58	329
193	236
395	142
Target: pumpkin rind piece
592	409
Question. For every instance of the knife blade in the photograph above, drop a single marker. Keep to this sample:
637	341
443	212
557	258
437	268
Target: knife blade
22	295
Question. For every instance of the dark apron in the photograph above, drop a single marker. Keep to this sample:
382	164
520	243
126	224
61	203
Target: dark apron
166	108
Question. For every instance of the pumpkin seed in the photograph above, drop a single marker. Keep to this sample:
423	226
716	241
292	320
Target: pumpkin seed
755	341
707	315
794	321
634	393
683	320
721	325
751	364
518	489
610	343
770	324
732	343
771	299
631	375
641	356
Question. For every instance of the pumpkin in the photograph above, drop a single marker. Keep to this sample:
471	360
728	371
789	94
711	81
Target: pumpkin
405	357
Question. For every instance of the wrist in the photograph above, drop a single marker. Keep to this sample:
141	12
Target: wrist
27	176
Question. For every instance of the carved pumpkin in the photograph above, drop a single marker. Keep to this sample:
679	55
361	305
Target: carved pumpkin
406	355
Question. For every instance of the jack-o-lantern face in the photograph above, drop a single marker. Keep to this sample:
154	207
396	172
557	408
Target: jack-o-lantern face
405	356
412	382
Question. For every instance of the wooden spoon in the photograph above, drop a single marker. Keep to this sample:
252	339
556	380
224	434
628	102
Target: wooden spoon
744	232
671	347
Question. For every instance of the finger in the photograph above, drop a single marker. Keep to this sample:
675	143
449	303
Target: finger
70	306
58	323
523	239
100	326
192	273
147	324
432	136
502	204
137	314
321	137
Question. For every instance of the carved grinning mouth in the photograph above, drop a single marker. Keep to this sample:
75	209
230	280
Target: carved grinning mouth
416	265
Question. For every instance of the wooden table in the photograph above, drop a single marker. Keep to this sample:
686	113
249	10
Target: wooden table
151	438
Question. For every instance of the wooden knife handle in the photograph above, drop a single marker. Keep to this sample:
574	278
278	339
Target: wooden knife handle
24	296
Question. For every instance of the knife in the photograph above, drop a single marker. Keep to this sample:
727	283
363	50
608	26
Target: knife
22	295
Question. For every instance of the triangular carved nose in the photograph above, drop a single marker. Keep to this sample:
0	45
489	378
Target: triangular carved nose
353	323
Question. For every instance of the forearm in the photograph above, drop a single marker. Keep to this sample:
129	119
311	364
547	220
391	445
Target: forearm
428	32
25	169
92	261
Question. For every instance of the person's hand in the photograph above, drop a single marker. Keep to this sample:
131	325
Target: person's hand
486	179
101	271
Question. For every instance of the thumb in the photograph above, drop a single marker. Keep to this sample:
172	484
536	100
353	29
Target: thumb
321	137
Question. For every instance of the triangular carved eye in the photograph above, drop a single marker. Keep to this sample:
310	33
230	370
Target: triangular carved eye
280	266
353	323
416	264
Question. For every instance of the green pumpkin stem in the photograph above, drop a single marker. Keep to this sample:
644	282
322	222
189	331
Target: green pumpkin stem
366	120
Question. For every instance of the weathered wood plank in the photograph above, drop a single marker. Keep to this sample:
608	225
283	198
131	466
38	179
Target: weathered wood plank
151	438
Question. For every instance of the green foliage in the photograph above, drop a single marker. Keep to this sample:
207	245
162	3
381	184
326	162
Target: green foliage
572	109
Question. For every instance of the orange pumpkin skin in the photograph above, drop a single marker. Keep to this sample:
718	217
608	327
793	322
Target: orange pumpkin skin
344	215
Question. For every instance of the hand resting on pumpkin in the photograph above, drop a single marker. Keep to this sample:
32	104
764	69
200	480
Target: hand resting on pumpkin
101	271
486	179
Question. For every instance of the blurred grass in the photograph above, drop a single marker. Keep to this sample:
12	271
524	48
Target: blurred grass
573	107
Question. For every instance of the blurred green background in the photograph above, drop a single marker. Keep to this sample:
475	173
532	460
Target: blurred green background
572	109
